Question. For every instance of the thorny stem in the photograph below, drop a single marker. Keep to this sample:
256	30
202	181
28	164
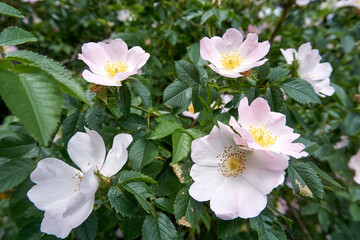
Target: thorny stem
287	7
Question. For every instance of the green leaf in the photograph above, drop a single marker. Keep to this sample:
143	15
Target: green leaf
177	94
352	123
228	228
310	147
15	36
187	210
141	192
305	181
121	203
14	172
62	77
347	43
165	204
10	11
143	93
181	145
275	98
267	226
164	129
35	99
16	145
133	227
94	118
129	176
87	230
197	92
186	72
194	55
30	231
72	124
324	175
142	152
206	16
277	74
158	227
195	133
300	90
263	71
355	212
133	122
123	99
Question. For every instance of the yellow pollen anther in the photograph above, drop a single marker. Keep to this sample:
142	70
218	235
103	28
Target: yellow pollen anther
191	108
231	60
232	162
115	67
262	136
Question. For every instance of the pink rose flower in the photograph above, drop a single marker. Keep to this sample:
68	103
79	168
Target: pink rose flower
310	68
235	180
230	55
111	63
261	129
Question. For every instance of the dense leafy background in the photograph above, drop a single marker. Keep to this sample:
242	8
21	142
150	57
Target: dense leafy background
42	84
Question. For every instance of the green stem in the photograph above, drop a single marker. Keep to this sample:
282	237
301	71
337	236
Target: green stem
287	7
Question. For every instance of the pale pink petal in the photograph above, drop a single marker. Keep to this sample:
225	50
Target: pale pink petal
87	150
321	71
304	50
231	40
302	2
309	62
115	49
55	181
120	76
354	164
94	55
255	114
136	58
204	151
265	170
237	198
208	51
323	88
289	54
190	115
225	73
101	80
54	224
207	180
244	68
258	52
117	156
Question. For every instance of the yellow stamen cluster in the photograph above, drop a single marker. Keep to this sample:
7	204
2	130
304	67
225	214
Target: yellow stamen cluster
262	136
231	60
115	67
232	162
191	108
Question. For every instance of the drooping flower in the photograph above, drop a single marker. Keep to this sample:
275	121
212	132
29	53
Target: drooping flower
265	130
230	56
111	63
66	194
302	2
354	164
310	68
347	3
234	179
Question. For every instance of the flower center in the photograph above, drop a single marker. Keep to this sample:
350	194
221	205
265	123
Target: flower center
115	67
232	162
262	136
191	108
231	60
78	178
310	75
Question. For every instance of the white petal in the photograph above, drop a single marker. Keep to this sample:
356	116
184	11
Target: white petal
56	181
117	155
237	198
289	55
204	151
87	150
207	180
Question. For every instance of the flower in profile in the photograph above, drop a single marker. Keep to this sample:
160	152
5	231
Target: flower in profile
111	63
230	55
302	2
261	129
9	49
310	68
347	3
354	164
234	179
191	112
66	194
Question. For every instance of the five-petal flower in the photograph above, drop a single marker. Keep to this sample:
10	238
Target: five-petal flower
66	194
230	56
111	63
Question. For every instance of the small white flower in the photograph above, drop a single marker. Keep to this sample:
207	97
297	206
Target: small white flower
302	2
347	3
66	194
234	179
354	164
310	68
